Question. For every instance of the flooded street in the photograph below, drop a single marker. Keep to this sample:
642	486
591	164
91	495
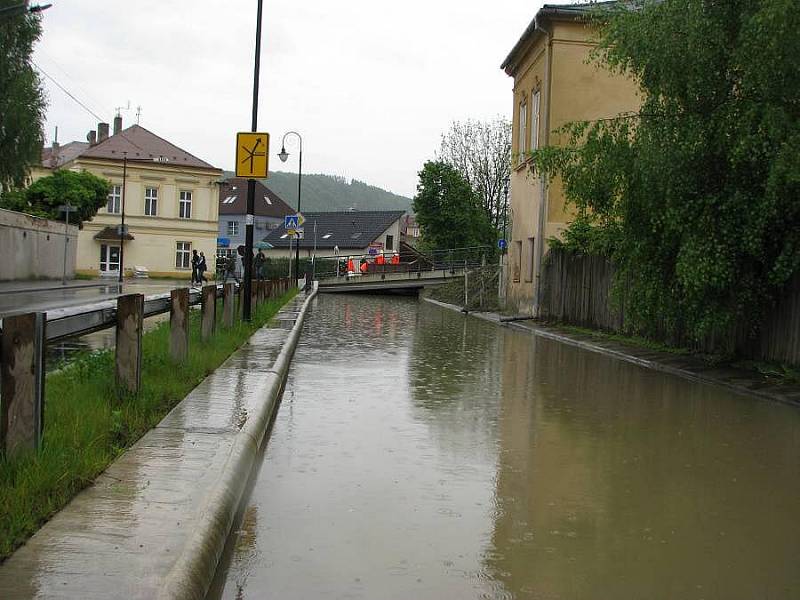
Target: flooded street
421	454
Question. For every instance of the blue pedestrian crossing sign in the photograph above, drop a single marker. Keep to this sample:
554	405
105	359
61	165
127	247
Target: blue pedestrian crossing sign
291	222
502	244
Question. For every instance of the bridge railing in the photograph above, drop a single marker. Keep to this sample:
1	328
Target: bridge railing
452	260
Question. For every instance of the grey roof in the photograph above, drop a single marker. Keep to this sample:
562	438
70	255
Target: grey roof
549	11
350	229
233	200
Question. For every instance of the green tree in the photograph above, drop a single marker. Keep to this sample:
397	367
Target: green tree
697	197
87	192
22	101
448	211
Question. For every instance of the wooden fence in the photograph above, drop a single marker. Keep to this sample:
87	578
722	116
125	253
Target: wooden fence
577	290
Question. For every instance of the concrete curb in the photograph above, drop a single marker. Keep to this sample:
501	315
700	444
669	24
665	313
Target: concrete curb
193	572
763	393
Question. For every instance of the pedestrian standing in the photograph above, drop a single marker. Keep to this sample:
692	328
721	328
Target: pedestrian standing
201	269
195	267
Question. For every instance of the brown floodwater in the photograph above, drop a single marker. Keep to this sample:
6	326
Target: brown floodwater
422	454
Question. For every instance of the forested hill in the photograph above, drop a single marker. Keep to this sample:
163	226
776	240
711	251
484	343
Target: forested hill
332	193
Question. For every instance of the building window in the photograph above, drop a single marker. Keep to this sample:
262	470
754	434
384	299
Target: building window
109	257
516	258
529	260
536	104
185	205
114	199
390	242
183	255
233	228
523	129
151	202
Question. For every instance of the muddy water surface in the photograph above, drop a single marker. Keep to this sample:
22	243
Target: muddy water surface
420	454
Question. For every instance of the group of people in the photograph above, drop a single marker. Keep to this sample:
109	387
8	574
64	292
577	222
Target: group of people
199	268
226	266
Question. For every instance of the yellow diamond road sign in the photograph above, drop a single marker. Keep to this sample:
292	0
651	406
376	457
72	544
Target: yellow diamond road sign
252	155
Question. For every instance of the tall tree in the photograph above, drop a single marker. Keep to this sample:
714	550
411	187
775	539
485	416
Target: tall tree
86	192
448	211
481	152
22	101
697	197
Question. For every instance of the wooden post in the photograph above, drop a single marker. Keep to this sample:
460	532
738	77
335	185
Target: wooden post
208	311
179	324
270	291
227	304
254	294
22	375
130	322
466	287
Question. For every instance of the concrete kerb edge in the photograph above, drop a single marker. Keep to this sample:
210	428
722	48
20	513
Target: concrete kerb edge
642	362
193	572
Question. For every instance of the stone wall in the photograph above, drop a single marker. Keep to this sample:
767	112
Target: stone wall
33	248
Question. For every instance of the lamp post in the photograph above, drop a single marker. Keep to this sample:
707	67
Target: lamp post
122	220
251	184
283	156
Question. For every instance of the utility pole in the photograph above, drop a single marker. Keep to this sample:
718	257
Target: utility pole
251	184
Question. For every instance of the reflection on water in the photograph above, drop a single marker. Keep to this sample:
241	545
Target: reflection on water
422	454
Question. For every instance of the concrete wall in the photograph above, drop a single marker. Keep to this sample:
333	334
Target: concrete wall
571	90
33	248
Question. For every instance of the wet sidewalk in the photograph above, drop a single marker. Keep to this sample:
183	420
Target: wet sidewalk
741	381
155	521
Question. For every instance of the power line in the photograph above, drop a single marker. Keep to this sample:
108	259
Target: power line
67	92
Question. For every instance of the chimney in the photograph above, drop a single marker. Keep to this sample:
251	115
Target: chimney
117	124
54	154
102	132
91	137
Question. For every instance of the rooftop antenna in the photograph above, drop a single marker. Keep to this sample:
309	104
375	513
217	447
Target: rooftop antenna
138	113
56	137
119	109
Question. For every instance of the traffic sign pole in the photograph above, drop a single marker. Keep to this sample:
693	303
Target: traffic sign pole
251	183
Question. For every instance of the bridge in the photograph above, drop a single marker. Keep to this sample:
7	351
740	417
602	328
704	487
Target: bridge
412	271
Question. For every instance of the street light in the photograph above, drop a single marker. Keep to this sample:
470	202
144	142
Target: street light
283	155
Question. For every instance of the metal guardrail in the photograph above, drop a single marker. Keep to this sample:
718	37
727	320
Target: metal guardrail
74	321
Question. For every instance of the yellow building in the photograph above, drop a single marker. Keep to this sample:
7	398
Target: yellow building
170	202
554	84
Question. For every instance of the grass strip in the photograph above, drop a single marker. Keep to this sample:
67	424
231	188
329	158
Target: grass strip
87	425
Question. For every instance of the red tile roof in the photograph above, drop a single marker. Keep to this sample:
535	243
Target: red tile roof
139	143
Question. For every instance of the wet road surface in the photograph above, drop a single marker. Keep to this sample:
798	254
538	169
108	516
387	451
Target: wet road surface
421	454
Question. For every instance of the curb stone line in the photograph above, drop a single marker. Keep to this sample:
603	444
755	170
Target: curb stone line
193	572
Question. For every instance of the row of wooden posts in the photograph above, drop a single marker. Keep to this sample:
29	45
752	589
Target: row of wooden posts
24	339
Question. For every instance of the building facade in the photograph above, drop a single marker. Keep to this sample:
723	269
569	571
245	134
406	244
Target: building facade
170	203
554	84
269	211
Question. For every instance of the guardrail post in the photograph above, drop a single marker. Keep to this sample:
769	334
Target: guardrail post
254	293
22	375
270	289
227	304
179	324
208	311
262	292
130	322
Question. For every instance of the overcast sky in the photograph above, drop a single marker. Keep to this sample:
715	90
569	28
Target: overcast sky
370	84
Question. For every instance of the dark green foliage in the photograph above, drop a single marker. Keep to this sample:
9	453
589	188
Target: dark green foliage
448	211
332	193
87	192
22	101
697	197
